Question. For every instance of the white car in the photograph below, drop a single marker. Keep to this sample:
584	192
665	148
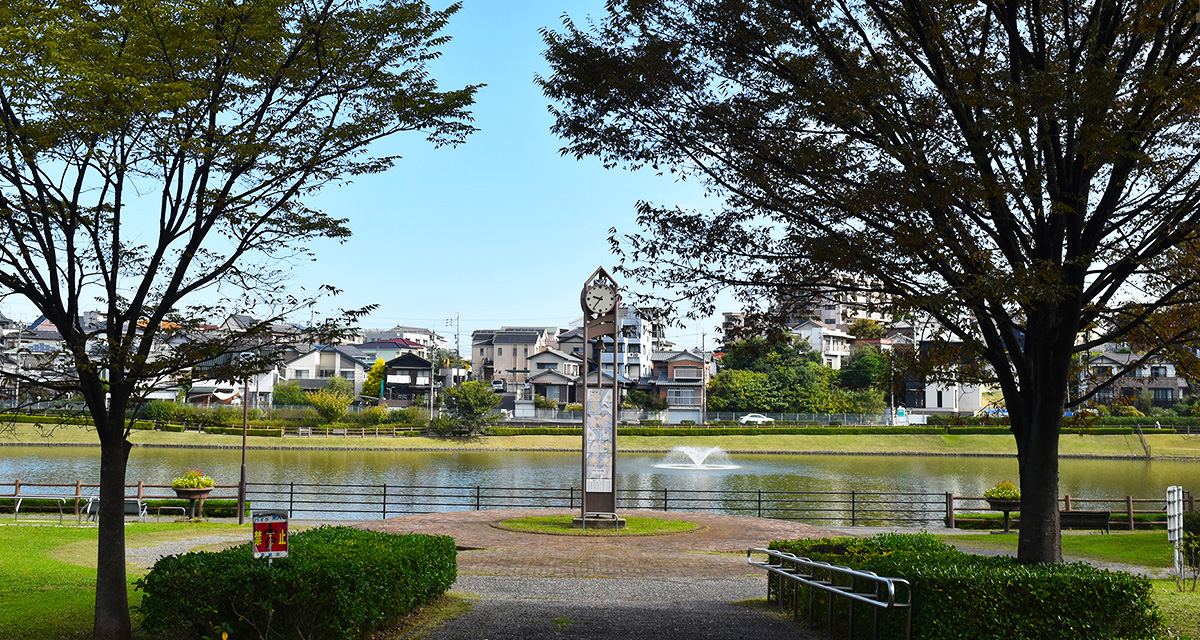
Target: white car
755	418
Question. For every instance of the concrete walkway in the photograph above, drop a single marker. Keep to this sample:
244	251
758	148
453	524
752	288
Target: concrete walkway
545	586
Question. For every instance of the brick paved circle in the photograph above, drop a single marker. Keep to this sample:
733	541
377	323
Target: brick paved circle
716	549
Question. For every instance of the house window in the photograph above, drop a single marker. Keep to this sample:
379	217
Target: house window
500	351
687	372
1158	372
547	365
325	373
1161	395
301	374
348	374
481	352
939	399
526	352
1104	396
683	397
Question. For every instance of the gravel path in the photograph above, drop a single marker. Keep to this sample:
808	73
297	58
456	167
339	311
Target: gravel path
679	586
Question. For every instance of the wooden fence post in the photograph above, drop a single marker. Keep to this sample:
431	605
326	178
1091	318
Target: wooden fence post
1067	502
1129	509
949	510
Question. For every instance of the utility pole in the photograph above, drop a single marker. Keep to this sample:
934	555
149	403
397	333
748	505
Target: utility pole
703	380
457	324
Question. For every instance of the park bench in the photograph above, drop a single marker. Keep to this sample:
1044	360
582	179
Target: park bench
133	507
61	500
1084	520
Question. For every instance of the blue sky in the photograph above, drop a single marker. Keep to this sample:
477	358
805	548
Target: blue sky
499	231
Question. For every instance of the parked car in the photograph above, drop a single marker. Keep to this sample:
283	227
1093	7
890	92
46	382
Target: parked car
755	418
497	385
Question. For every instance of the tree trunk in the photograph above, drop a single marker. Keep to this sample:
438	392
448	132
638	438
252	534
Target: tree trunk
1040	540
1040	404
111	620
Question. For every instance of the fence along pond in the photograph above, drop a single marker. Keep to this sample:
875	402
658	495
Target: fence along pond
371	501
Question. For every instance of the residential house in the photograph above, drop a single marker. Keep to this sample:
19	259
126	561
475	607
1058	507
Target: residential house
554	374
503	354
429	339
1157	376
832	343
312	370
392	348
680	377
408	376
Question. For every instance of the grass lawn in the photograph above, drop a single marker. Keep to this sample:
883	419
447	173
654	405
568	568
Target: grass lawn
1001	445
1141	548
48	588
564	526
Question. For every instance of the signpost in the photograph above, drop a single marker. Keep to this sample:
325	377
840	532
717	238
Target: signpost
270	534
599	299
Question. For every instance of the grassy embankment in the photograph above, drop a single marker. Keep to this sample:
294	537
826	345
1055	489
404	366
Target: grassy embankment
1162	445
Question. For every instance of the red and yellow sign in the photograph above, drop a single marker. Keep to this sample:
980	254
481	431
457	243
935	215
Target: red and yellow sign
270	535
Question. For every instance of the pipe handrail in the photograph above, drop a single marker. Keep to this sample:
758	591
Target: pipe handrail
884	597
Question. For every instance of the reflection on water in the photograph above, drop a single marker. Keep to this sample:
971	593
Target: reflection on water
961	476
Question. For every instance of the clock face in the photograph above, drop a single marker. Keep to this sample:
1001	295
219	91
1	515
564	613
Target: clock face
599	299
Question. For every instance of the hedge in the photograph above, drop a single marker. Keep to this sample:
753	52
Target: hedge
336	583
957	595
715	431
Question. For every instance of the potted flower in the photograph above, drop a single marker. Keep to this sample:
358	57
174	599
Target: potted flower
1005	496
192	486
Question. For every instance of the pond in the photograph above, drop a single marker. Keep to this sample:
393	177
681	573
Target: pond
963	476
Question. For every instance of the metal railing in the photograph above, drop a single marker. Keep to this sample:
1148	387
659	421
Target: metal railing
368	501
853	587
388	500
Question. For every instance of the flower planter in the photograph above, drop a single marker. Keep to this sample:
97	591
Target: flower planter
192	494
999	504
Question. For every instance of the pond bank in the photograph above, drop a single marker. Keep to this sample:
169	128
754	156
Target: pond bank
1116	447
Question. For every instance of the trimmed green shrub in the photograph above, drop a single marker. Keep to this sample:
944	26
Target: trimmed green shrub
336	583
173	428
957	595
687	423
650	423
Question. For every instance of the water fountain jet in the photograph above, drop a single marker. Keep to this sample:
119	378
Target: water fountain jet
697	458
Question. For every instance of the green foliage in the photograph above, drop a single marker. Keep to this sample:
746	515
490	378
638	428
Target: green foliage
644	400
159	410
650	423
336	583
993	597
473	404
784	374
415	416
373	415
1004	490
289	394
192	479
866	368
375	378
340	385
330	404
733	430
544	403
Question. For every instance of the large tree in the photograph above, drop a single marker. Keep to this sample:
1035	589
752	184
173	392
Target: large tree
1017	171
158	161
